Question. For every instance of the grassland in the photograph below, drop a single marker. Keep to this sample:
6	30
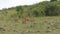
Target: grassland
43	25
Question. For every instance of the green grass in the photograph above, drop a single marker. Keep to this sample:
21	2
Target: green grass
42	26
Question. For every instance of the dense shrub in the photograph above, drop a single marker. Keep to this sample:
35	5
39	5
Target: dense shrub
19	11
41	9
53	9
53	0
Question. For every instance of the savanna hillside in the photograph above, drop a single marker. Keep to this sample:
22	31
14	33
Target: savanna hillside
42	18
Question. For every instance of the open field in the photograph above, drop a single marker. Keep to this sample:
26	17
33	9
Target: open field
40	18
11	24
42	25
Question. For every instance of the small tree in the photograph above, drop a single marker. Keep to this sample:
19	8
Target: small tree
19	11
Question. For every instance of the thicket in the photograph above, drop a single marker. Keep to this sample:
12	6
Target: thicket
41	9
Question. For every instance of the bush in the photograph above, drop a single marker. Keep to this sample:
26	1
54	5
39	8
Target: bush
41	9
53	10
19	11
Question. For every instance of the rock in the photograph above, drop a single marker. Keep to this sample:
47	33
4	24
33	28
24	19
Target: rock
49	31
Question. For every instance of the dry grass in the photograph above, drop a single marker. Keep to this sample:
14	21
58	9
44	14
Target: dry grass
44	25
